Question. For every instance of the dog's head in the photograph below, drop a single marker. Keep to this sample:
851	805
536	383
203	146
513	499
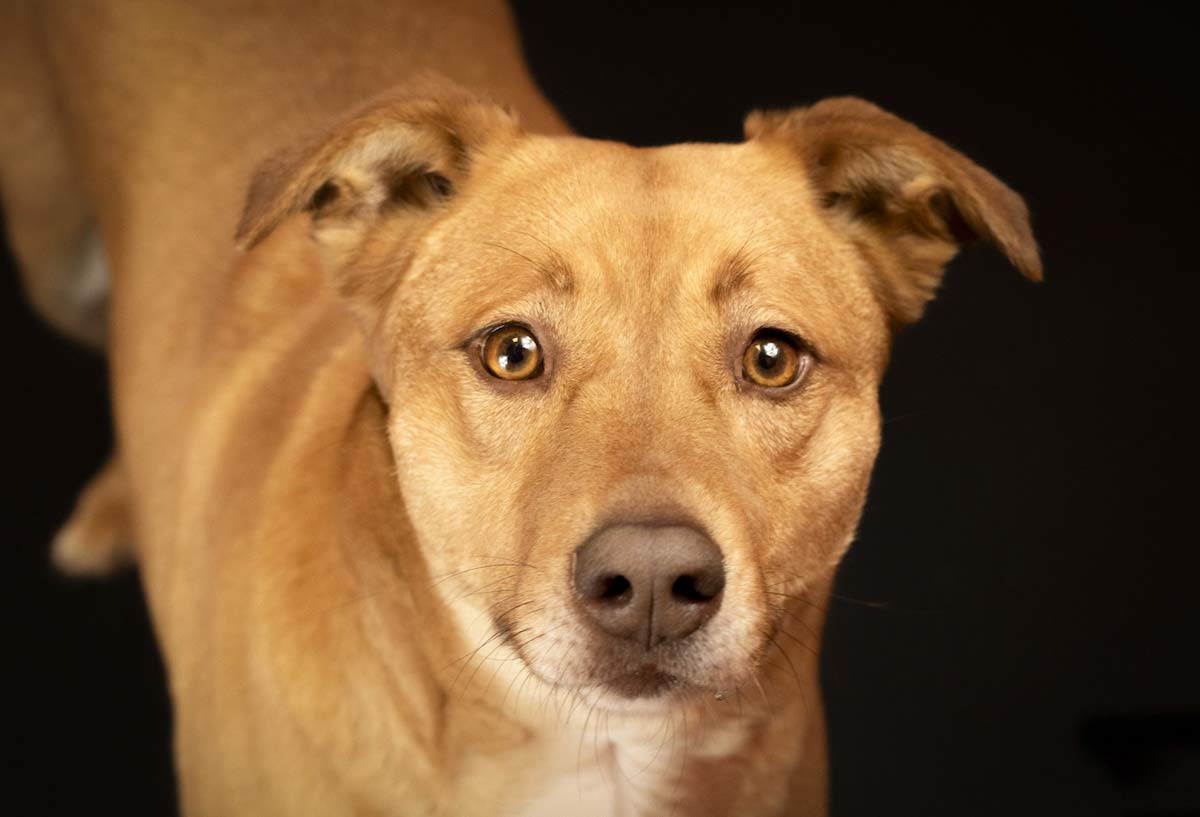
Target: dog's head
633	392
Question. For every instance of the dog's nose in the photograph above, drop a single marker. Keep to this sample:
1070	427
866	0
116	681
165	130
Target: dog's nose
649	584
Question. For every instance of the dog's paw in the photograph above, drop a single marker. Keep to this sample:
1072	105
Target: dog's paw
97	539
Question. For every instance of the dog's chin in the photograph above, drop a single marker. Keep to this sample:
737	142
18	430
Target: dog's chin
645	690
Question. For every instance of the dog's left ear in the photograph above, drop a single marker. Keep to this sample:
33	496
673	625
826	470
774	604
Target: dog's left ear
908	200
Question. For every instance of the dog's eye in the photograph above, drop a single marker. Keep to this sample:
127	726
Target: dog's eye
775	359
511	352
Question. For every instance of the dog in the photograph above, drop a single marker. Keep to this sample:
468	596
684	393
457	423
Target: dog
471	467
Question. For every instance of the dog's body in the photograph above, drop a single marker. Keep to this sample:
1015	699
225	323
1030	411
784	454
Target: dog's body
322	598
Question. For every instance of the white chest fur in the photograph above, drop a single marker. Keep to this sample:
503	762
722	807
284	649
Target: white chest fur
628	769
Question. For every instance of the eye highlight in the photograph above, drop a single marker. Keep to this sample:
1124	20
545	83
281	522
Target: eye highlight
775	359
511	352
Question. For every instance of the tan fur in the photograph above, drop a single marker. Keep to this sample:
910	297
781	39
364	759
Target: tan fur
355	544
49	229
98	537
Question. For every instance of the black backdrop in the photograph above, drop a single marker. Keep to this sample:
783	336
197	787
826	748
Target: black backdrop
1015	628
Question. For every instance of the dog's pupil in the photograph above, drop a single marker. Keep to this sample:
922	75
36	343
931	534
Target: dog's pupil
517	349
768	355
514	356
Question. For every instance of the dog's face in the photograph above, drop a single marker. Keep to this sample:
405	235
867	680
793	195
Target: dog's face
603	354
632	392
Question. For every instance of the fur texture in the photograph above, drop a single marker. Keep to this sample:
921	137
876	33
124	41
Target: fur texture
356	544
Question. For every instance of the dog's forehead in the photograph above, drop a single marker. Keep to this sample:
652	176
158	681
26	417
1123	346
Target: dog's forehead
609	193
576	218
676	212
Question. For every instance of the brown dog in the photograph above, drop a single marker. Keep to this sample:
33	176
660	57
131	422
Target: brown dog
505	472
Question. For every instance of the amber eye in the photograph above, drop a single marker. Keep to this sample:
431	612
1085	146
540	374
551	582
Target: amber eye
774	359
511	352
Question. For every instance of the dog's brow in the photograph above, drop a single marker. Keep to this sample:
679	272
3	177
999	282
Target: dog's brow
732	274
554	269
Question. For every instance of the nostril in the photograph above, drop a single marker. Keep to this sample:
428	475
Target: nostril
615	589
696	589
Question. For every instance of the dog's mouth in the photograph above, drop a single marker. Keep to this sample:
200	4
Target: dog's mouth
645	682
624	676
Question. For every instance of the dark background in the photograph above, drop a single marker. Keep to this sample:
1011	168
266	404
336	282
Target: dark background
1015	628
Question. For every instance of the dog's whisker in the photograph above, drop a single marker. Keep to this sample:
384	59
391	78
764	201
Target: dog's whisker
907	416
683	760
662	734
499	632
875	605
816	637
795	674
763	692
523	671
804	600
503	642
468	658
579	754
490	588
526	675
481	661
610	766
465	570
807	647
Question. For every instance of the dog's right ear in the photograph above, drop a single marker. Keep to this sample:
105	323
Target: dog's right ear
391	164
397	159
405	149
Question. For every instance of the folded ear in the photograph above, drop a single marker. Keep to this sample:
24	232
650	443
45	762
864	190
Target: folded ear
908	200
405	148
391	164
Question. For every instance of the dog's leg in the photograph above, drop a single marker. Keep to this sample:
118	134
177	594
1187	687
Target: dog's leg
60	258
98	537
51	233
